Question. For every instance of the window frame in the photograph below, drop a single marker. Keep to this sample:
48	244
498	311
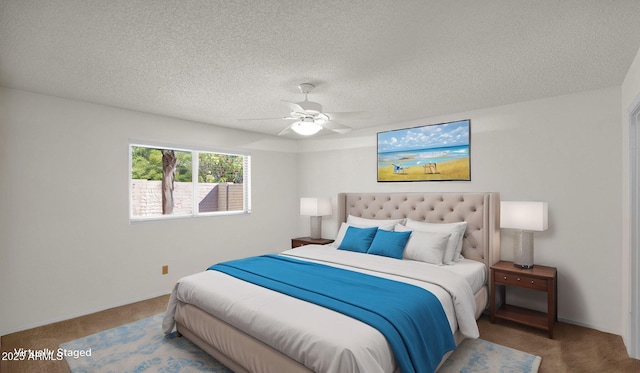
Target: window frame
195	152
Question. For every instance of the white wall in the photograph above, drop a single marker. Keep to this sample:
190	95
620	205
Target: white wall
563	150
630	98
66	245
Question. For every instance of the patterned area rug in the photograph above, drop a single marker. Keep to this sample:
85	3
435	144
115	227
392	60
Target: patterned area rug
477	355
141	346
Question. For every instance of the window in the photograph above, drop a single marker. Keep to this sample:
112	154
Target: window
170	182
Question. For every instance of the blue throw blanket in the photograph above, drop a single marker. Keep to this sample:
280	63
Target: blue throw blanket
411	318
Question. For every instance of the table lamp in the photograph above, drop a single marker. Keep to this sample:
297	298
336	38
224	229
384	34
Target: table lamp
316	208
525	218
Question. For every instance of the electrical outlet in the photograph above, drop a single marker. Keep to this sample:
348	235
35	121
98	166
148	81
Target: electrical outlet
165	270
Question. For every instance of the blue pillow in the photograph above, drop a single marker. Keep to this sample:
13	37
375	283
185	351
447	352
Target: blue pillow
358	239
391	244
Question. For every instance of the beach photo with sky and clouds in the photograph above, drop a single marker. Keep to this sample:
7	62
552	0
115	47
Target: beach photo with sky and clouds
432	152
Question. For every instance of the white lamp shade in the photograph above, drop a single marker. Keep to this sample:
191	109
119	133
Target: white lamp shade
315	206
524	215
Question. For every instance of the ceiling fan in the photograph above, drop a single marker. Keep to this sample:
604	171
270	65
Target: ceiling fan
309	118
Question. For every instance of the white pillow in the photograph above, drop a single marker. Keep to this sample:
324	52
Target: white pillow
340	236
386	224
425	246
454	246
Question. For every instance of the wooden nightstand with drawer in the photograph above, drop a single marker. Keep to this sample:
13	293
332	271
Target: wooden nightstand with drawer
301	241
538	278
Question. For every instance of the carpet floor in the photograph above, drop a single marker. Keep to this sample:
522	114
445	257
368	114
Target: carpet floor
573	349
141	346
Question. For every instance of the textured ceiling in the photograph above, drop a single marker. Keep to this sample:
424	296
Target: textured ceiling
217	61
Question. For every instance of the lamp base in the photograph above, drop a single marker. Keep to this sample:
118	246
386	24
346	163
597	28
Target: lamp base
316	227
523	249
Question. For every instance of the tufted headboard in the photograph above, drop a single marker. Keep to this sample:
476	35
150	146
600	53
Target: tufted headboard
481	211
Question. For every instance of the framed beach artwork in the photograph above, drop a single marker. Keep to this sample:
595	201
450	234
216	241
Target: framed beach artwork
434	152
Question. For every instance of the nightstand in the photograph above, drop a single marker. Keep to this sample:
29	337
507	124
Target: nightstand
301	241
538	278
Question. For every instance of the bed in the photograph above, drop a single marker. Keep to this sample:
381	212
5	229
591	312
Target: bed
218	312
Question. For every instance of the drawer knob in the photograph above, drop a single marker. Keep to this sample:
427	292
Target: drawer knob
531	281
505	277
518	278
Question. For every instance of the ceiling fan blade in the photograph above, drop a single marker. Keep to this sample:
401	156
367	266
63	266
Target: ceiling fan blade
295	106
264	118
336	127
286	130
350	115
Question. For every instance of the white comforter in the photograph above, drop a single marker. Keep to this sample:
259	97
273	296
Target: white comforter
322	339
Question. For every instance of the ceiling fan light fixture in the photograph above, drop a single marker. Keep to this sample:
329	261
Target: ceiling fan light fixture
306	128
309	118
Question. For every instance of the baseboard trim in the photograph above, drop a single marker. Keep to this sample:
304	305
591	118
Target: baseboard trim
594	327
